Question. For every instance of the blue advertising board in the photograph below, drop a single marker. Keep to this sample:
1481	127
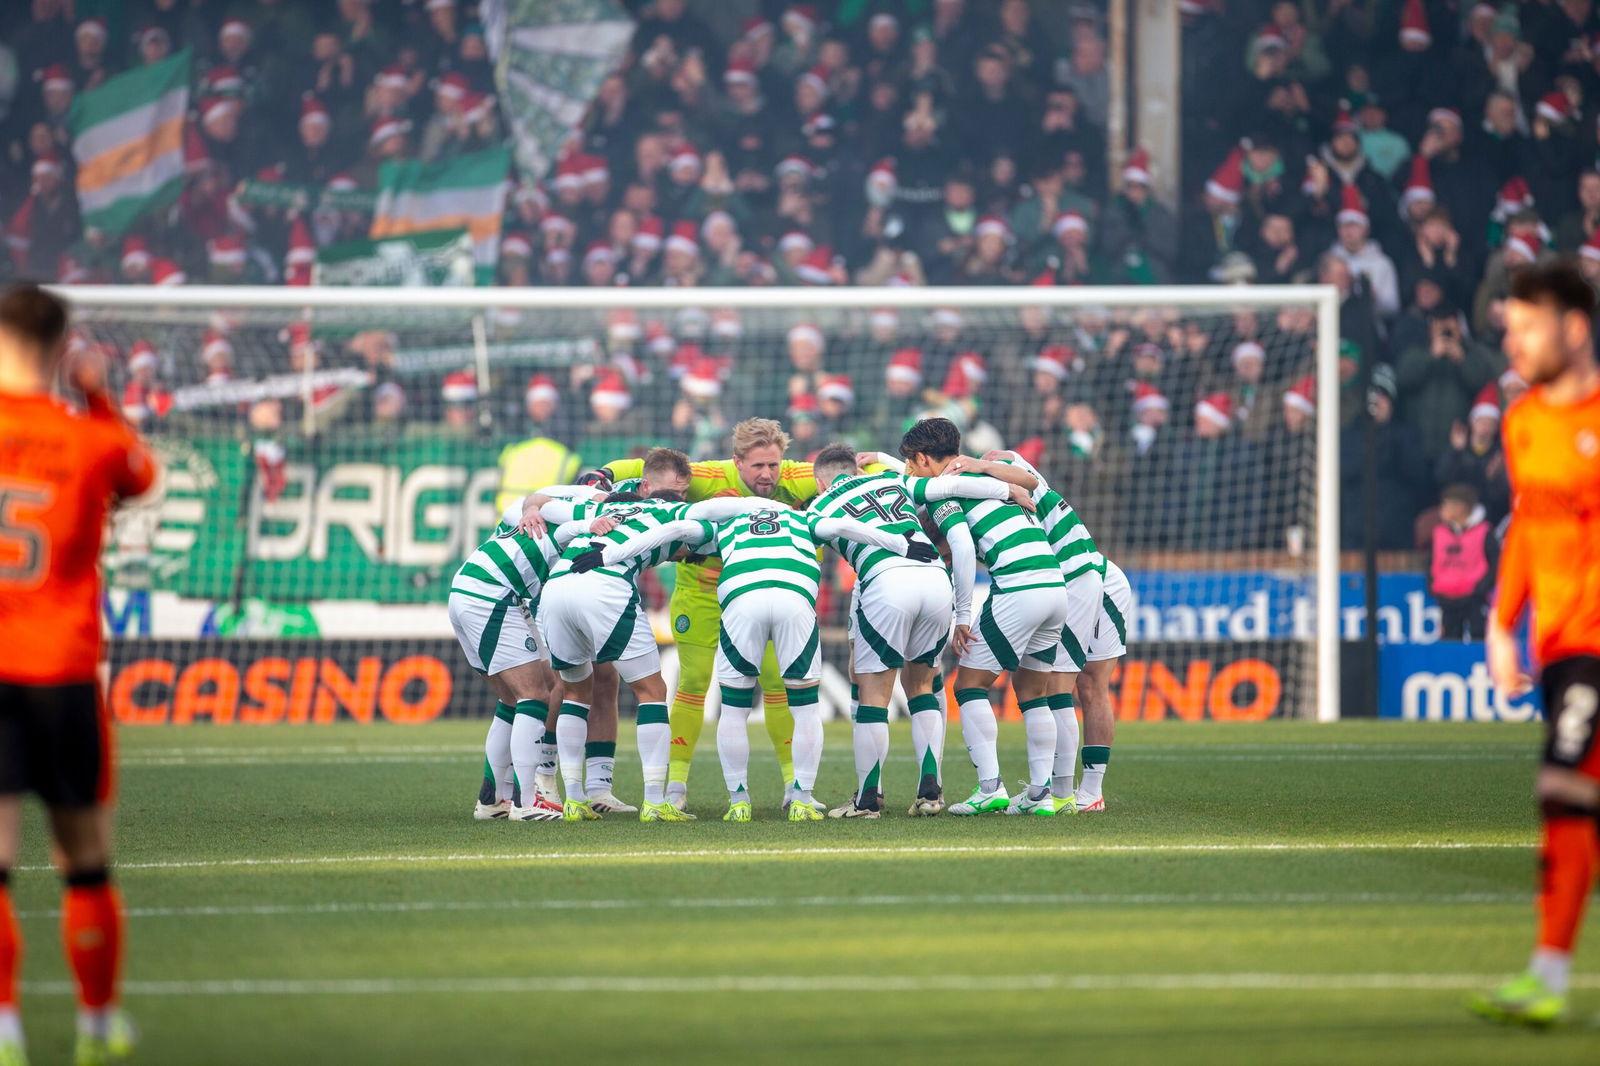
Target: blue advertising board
1445	682
1261	605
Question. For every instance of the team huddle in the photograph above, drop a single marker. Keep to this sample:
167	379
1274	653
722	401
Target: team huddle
550	605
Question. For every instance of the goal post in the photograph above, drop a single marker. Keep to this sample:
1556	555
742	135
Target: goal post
332	454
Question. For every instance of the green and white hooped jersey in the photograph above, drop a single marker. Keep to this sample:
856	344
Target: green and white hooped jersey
1075	549
629	484
1009	542
878	500
769	549
634	517
509	562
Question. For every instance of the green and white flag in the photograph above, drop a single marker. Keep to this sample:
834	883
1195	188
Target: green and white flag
435	257
127	137
467	192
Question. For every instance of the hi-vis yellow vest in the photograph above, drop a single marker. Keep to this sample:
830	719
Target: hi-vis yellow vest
532	464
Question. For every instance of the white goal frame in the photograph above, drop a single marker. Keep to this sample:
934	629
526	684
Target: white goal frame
1325	298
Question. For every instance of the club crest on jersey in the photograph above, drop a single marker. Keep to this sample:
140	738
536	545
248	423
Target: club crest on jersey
681	624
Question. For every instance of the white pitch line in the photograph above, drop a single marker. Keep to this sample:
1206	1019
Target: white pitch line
1048	899
740	983
466	757
868	852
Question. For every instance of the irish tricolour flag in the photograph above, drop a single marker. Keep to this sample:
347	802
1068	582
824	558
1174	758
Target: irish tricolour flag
127	136
467	192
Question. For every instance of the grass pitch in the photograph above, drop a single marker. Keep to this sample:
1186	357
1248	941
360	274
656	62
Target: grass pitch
1282	892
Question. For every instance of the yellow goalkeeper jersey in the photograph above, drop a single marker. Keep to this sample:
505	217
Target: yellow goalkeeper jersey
696	589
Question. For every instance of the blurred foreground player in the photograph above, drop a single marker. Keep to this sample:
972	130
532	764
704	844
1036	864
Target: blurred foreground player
1551	561
60	473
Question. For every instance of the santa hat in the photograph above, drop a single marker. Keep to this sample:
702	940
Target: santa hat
740	72
217	106
647	238
1353	207
610	391
1591	247
817	78
46	165
1344	121
1554	106
1227	181
726	324
55	76
905	366
992	226
685	238
516	245
686	159
836	387
554	221
754	27
703	379
226	250
1069	222
392	76
215	347
815	268
881	183
453	86
1055	360
805	331
967	372
1419	186
1514	196
1444	114
313	110
385	128
166	272
599	252
222	81
622	326
302	250
142	356
817	124
1414	25
886	318
1525	245
1302	395
1268	36
475	107
460	386
540	387
1487	403
800	19
234	27
567	176
1248	350
1216	408
946	318
1136	170
794	166
796	240
658	339
1148	397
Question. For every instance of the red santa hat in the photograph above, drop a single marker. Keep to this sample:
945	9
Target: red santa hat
567	176
215	348
647	238
1487	403
793	165
685	238
1523	247
800	19
1055	360
460	386
740	72
385	128
1591	247
816	268
1419	185
599	252
1227	181
1302	395
222	81
541	388
817	78
554	221
392	76
1148	397
686	160
837	387
1514	196
1136	171
313	110
516	245
212	107
967	372
796	240
142	356
46	165
1448	115
881	183
703	380
475	107
1344	121
1414	25
226	250
905	366
992	226
610	392
622	326
754	27
1353	207
54	77
1248	350
453	86
658	339
166	272
1216	408
1069	222
1554	106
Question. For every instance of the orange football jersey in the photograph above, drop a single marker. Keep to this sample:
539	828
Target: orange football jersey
1551	557
60	472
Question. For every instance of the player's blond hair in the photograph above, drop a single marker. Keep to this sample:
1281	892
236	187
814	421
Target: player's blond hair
758	433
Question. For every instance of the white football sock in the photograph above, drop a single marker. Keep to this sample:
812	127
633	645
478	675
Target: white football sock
980	730
497	749
1039	725
654	738
807	741
1554	968
733	748
572	733
1092	784
598	772
525	733
1065	768
10	1025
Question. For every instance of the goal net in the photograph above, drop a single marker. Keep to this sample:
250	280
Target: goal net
332	455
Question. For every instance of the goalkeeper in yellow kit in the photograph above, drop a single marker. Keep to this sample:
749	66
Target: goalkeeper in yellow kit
757	468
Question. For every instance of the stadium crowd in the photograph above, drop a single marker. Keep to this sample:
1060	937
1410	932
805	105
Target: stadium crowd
934	143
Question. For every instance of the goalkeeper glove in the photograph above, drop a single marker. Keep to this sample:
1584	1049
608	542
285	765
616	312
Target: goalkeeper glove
920	551
596	479
592	559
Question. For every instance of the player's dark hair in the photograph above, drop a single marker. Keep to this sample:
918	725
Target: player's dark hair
937	438
835	457
624	497
1460	493
33	315
1558	284
669	495
666	460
